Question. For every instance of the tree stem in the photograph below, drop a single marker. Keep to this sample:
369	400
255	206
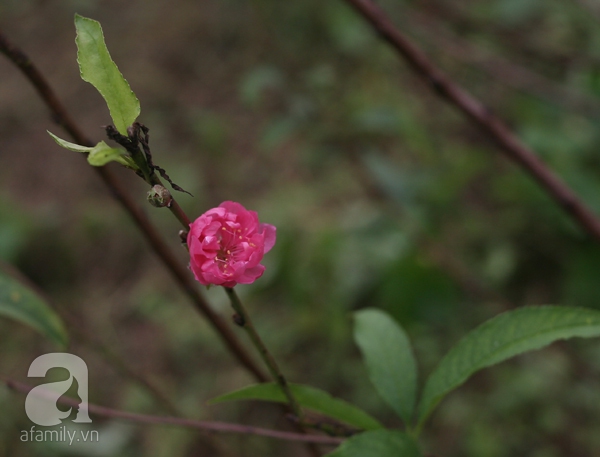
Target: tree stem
243	319
480	115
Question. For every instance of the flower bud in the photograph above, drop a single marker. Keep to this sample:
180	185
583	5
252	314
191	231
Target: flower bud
159	196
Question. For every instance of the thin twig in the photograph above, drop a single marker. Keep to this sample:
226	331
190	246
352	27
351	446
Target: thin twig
499	68
243	319
144	161
181	275
96	344
208	426
480	115
460	16
122	366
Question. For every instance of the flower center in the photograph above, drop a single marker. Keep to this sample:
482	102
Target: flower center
229	243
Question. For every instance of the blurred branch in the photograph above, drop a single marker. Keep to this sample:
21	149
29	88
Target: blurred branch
118	363
553	59
480	115
207	426
590	6
123	367
503	70
177	270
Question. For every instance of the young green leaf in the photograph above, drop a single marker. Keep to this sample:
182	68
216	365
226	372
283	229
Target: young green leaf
308	397
102	153
99	155
378	443
501	338
22	304
68	145
97	67
389	359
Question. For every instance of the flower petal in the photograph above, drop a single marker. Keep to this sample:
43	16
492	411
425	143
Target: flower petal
269	231
227	244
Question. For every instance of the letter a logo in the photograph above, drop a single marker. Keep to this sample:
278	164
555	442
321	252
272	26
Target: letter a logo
40	404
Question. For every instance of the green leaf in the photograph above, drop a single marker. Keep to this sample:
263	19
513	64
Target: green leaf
99	155
378	443
24	305
97	68
389	359
502	337
102	154
70	146
308	397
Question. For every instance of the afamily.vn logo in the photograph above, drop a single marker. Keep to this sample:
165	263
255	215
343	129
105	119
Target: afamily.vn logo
61	434
41	404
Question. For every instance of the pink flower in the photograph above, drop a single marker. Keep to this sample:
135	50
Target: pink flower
227	244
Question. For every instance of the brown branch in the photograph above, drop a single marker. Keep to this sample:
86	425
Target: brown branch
122	366
557	60
503	70
207	426
480	115
242	318
94	342
179	272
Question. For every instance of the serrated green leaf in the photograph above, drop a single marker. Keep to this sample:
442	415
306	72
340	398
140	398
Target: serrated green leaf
22	304
501	338
68	145
389	359
97	67
308	397
378	443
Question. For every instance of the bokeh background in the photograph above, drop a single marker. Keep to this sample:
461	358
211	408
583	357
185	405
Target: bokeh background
383	196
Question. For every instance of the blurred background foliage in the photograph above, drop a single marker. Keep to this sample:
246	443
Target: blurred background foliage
382	195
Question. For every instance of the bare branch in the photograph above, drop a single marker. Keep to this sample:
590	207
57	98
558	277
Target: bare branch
480	115
207	426
497	67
